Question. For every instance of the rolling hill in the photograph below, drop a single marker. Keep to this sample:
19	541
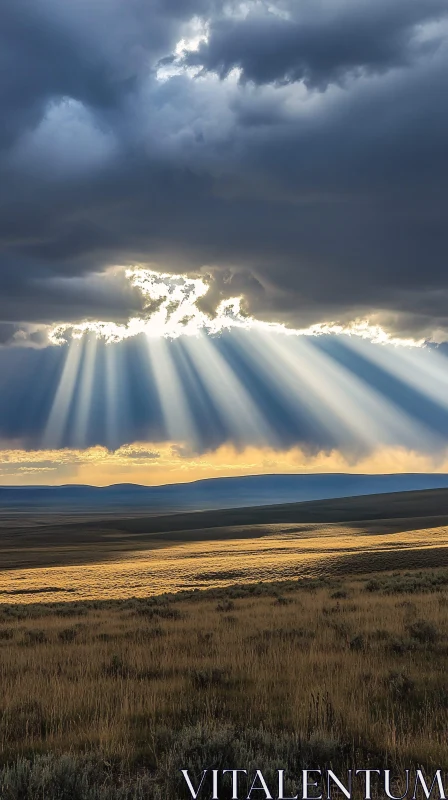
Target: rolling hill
213	493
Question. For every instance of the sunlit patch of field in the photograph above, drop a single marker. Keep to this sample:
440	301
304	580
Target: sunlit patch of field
279	551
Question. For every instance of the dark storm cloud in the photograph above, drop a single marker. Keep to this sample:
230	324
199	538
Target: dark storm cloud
91	51
316	185
71	298
318	43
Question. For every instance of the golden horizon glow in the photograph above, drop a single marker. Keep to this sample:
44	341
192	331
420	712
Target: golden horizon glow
159	464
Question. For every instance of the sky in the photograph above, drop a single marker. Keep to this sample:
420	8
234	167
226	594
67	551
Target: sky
223	238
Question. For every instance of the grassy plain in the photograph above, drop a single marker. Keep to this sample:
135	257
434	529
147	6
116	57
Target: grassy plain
340	664
110	700
122	557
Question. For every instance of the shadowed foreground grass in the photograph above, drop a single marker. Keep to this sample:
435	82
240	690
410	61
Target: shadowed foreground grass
110	700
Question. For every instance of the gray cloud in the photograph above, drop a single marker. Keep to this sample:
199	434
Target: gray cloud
318	43
312	204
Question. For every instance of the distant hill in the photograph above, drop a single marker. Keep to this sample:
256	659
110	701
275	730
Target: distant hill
213	493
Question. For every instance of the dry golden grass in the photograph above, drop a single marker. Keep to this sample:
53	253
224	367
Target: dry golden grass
356	667
271	552
107	696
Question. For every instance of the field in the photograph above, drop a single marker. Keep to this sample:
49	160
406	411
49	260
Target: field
108	698
53	559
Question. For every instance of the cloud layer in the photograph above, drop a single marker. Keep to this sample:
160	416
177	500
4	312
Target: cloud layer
291	152
99	467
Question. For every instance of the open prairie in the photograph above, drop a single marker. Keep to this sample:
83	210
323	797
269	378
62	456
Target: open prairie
109	700
320	640
140	556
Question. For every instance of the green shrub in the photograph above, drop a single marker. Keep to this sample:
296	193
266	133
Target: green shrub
423	632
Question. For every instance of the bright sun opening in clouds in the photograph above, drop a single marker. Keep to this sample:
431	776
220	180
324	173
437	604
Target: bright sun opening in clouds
206	381
171	311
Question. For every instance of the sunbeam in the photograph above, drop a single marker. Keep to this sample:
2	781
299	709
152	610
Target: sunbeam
342	402
371	416
57	420
236	407
84	393
425	371
286	372
178	419
114	394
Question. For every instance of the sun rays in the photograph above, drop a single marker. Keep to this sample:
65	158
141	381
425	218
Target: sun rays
204	379
201	391
426	372
177	416
57	421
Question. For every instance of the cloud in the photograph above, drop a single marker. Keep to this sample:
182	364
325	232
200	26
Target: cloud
99	467
304	170
174	305
317	43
